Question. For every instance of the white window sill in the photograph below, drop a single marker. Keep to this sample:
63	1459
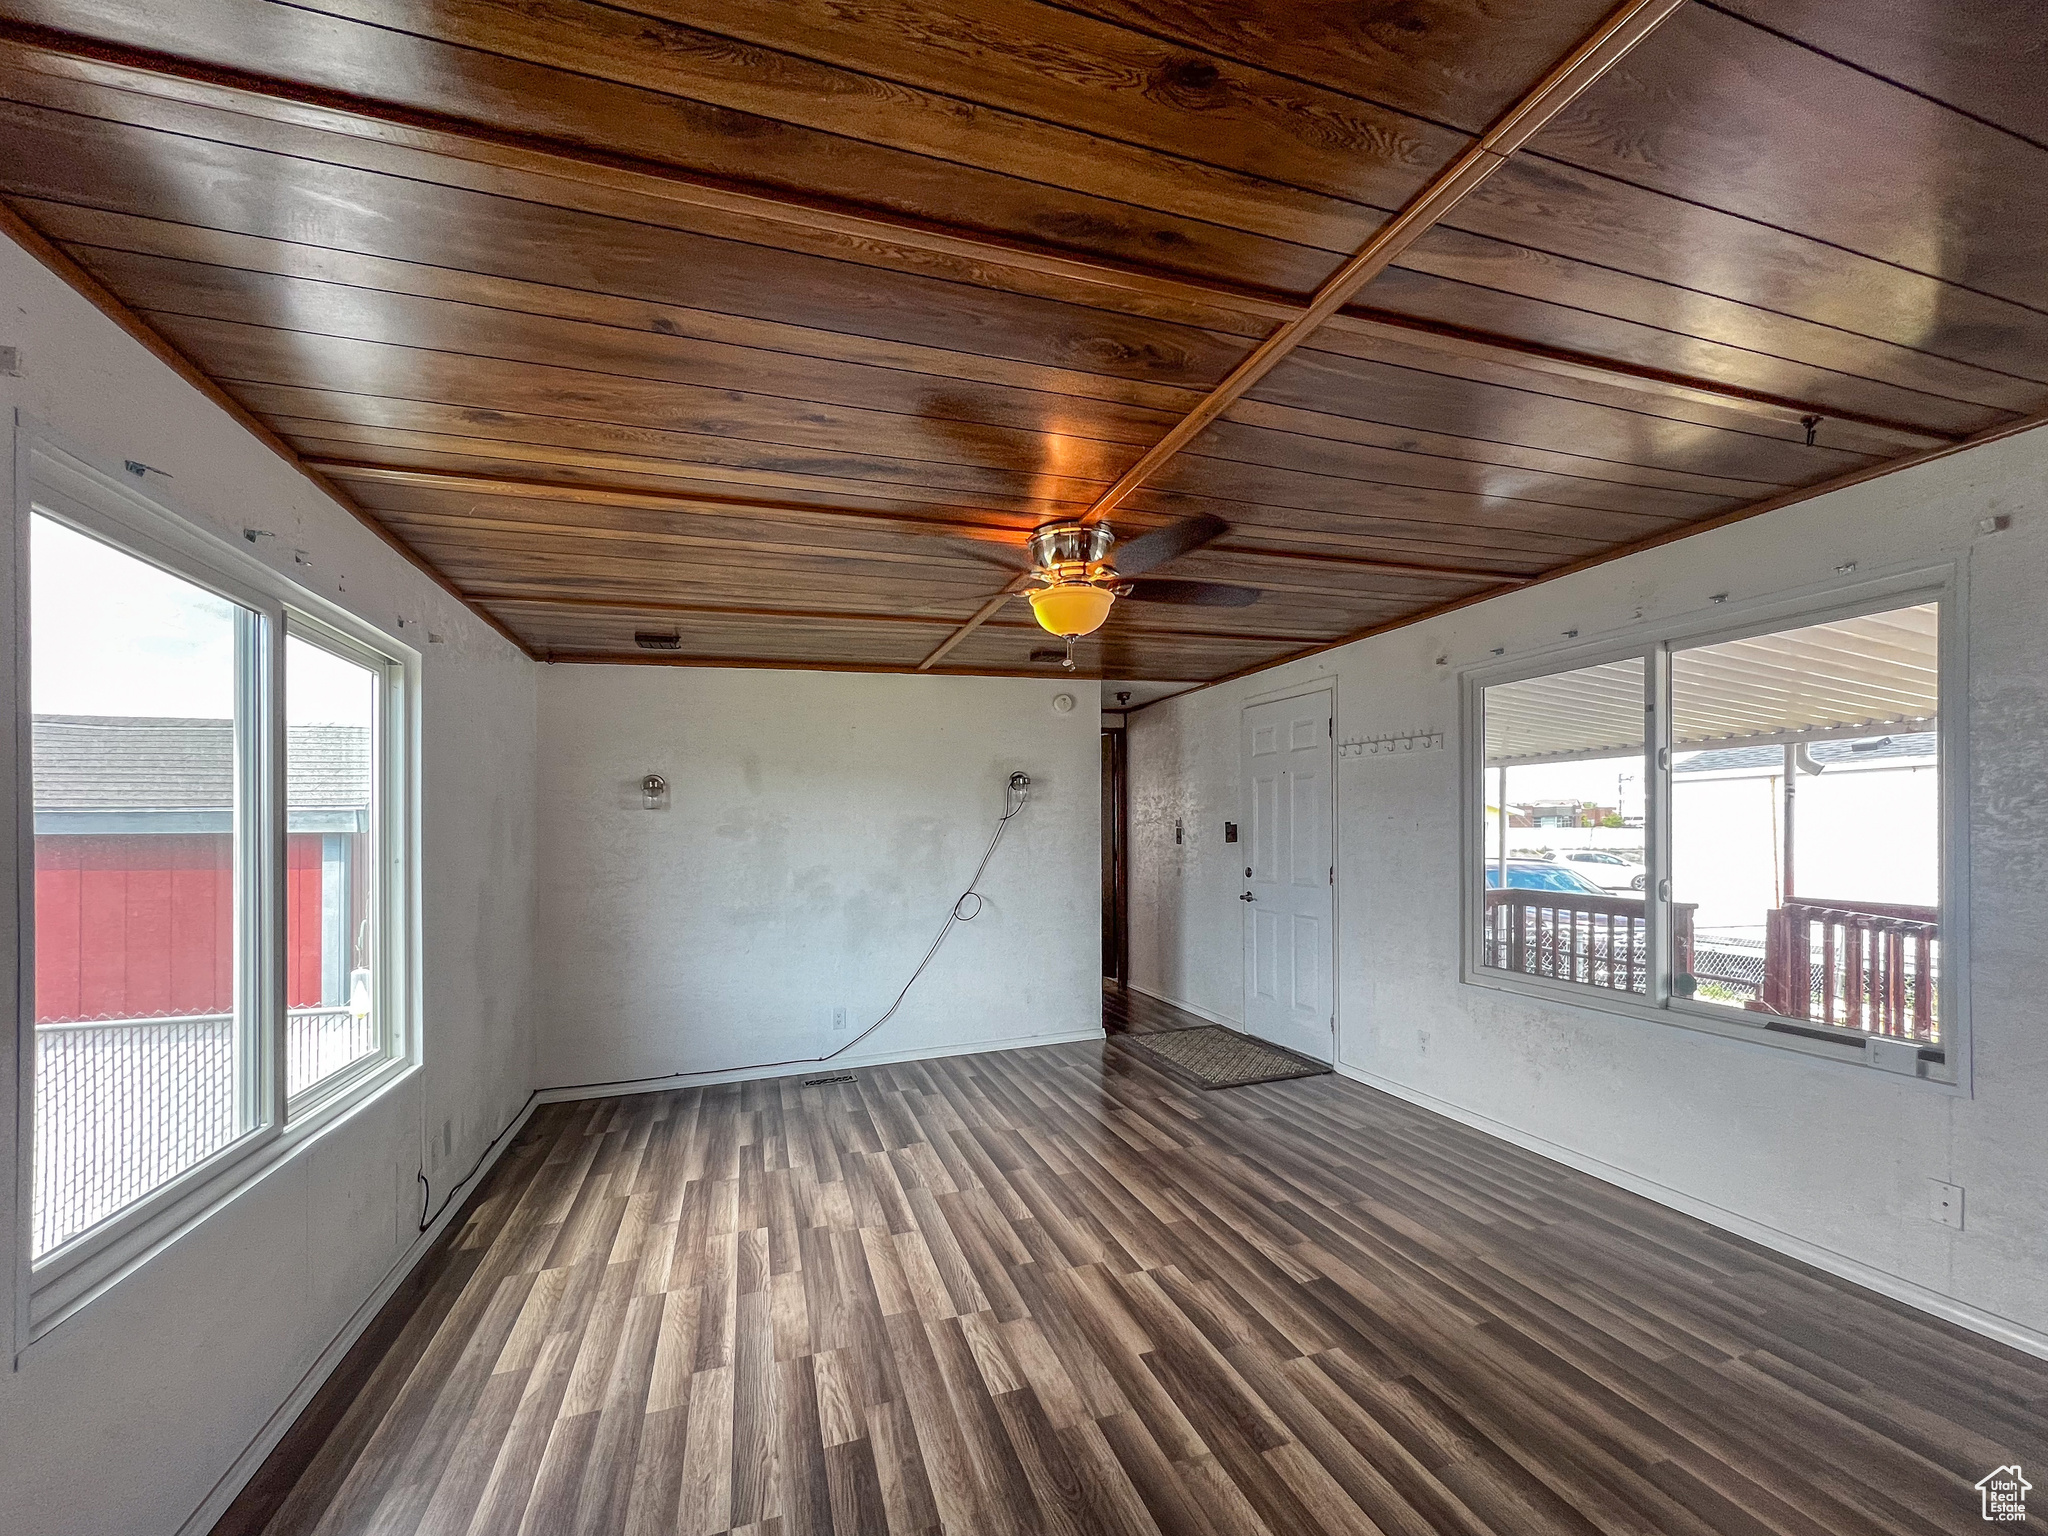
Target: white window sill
65	1282
1942	1077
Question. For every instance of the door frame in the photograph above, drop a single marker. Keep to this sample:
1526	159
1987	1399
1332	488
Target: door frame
1323	684
1116	831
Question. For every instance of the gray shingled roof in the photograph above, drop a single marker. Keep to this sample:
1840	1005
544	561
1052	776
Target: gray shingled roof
134	762
1873	749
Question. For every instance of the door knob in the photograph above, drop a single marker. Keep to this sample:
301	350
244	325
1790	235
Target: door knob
1247	896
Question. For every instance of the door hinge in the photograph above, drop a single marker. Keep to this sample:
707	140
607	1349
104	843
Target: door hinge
1330	727
1333	874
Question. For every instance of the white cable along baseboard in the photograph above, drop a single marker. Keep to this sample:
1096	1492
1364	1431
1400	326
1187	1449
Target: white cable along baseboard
824	1068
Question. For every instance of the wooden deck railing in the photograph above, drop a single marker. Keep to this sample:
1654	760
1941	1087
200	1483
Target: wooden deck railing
1865	965
1599	941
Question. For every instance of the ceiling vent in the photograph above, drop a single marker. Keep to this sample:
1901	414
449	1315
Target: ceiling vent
650	640
1043	654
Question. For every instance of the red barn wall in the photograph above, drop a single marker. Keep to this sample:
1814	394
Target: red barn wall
142	925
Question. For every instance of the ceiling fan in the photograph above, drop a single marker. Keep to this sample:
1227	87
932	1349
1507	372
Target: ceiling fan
1077	579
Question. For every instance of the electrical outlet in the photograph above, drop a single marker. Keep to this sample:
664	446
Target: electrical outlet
839	1017
1945	1203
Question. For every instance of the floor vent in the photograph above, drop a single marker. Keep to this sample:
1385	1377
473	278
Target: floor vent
819	1082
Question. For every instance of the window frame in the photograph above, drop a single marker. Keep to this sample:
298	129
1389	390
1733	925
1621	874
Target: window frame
1654	644
113	508
388	797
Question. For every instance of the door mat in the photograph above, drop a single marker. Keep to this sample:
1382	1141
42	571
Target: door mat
1215	1057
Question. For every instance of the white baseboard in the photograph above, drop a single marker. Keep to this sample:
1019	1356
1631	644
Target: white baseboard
820	1068
203	1519
1989	1324
1186	1007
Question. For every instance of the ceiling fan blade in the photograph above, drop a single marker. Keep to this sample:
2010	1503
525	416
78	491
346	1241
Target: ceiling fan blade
1195	594
1149	551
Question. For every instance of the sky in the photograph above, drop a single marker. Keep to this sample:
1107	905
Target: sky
114	635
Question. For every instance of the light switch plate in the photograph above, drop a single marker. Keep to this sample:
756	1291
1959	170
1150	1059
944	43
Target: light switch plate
1945	1203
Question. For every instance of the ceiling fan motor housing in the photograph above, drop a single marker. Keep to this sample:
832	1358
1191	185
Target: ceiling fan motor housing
1072	551
1073	562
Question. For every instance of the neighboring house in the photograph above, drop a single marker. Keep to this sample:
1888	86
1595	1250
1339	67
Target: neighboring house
1559	813
135	865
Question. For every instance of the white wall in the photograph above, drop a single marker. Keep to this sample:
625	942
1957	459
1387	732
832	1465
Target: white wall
1823	1153
819	826
123	1420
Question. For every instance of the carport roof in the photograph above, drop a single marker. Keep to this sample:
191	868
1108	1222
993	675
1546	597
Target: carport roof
1874	674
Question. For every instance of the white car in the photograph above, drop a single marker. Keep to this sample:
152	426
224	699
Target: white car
1609	871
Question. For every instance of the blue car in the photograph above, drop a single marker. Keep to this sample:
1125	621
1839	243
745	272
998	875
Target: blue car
1535	875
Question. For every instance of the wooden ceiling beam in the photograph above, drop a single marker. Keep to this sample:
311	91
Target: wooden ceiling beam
513	598
476	536
1854	477
1242	309
585	494
778	664
1610	42
97	294
1007	535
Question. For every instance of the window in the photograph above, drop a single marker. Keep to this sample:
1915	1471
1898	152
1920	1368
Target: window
145	1002
1564	794
1741	829
332	709
1806	822
219	877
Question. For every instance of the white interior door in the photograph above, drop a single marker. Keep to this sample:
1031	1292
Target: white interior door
1289	945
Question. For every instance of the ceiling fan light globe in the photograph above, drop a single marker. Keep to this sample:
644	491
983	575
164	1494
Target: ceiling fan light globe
1071	608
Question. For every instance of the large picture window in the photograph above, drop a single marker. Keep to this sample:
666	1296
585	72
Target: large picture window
1744	826
147	1054
217	871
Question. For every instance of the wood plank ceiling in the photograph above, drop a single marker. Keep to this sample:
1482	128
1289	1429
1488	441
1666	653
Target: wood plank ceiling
759	321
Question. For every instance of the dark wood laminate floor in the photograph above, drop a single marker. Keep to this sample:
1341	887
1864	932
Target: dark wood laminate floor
1126	1012
1051	1291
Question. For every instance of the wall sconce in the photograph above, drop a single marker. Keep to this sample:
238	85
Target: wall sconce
654	792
